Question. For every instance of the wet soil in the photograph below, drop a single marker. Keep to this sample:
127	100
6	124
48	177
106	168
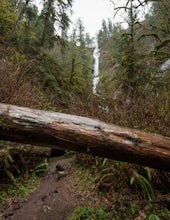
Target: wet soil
54	199
58	194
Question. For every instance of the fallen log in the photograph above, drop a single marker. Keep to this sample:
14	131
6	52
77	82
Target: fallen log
81	134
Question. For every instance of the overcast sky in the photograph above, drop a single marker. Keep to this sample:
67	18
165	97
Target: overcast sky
92	12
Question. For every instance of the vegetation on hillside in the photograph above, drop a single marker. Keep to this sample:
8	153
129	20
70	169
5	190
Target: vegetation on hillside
40	68
130	62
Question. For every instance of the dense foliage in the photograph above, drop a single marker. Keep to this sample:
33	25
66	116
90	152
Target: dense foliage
40	67
131	77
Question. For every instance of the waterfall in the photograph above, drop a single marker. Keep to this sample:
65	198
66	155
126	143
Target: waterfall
165	66
96	55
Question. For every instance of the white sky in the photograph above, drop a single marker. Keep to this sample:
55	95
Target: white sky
92	12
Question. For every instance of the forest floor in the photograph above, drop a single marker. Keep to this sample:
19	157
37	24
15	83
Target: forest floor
57	197
54	198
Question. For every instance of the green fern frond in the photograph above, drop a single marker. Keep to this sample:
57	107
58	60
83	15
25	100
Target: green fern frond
152	217
145	185
132	179
103	172
105	160
148	172
42	167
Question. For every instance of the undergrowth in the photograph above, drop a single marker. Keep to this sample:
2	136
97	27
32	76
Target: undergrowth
19	186
20	189
131	191
129	213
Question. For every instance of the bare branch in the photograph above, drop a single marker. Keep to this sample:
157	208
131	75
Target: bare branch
150	35
163	44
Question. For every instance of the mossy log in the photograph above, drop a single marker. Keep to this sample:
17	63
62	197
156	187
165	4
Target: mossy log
81	134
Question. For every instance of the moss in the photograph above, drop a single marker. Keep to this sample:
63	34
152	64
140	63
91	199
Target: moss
10	175
89	214
4	124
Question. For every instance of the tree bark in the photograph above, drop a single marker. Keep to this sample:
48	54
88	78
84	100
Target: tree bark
46	23
52	129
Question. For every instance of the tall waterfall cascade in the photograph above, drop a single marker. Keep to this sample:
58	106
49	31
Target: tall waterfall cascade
165	66
96	55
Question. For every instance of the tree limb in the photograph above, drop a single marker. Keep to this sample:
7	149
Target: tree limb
71	132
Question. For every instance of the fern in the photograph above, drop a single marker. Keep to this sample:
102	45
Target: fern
148	172
147	189
105	160
42	167
152	217
101	173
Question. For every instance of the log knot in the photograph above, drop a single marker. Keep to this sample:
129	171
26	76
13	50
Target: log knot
134	140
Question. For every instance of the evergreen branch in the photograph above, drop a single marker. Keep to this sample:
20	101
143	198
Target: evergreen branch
150	35
163	44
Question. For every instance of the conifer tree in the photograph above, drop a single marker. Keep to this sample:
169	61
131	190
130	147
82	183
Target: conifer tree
54	13
14	29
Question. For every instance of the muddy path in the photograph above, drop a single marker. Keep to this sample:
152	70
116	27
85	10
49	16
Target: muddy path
54	199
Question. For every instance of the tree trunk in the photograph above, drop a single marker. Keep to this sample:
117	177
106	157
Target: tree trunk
46	23
82	134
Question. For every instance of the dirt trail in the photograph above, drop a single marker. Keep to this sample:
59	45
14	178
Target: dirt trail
54	198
